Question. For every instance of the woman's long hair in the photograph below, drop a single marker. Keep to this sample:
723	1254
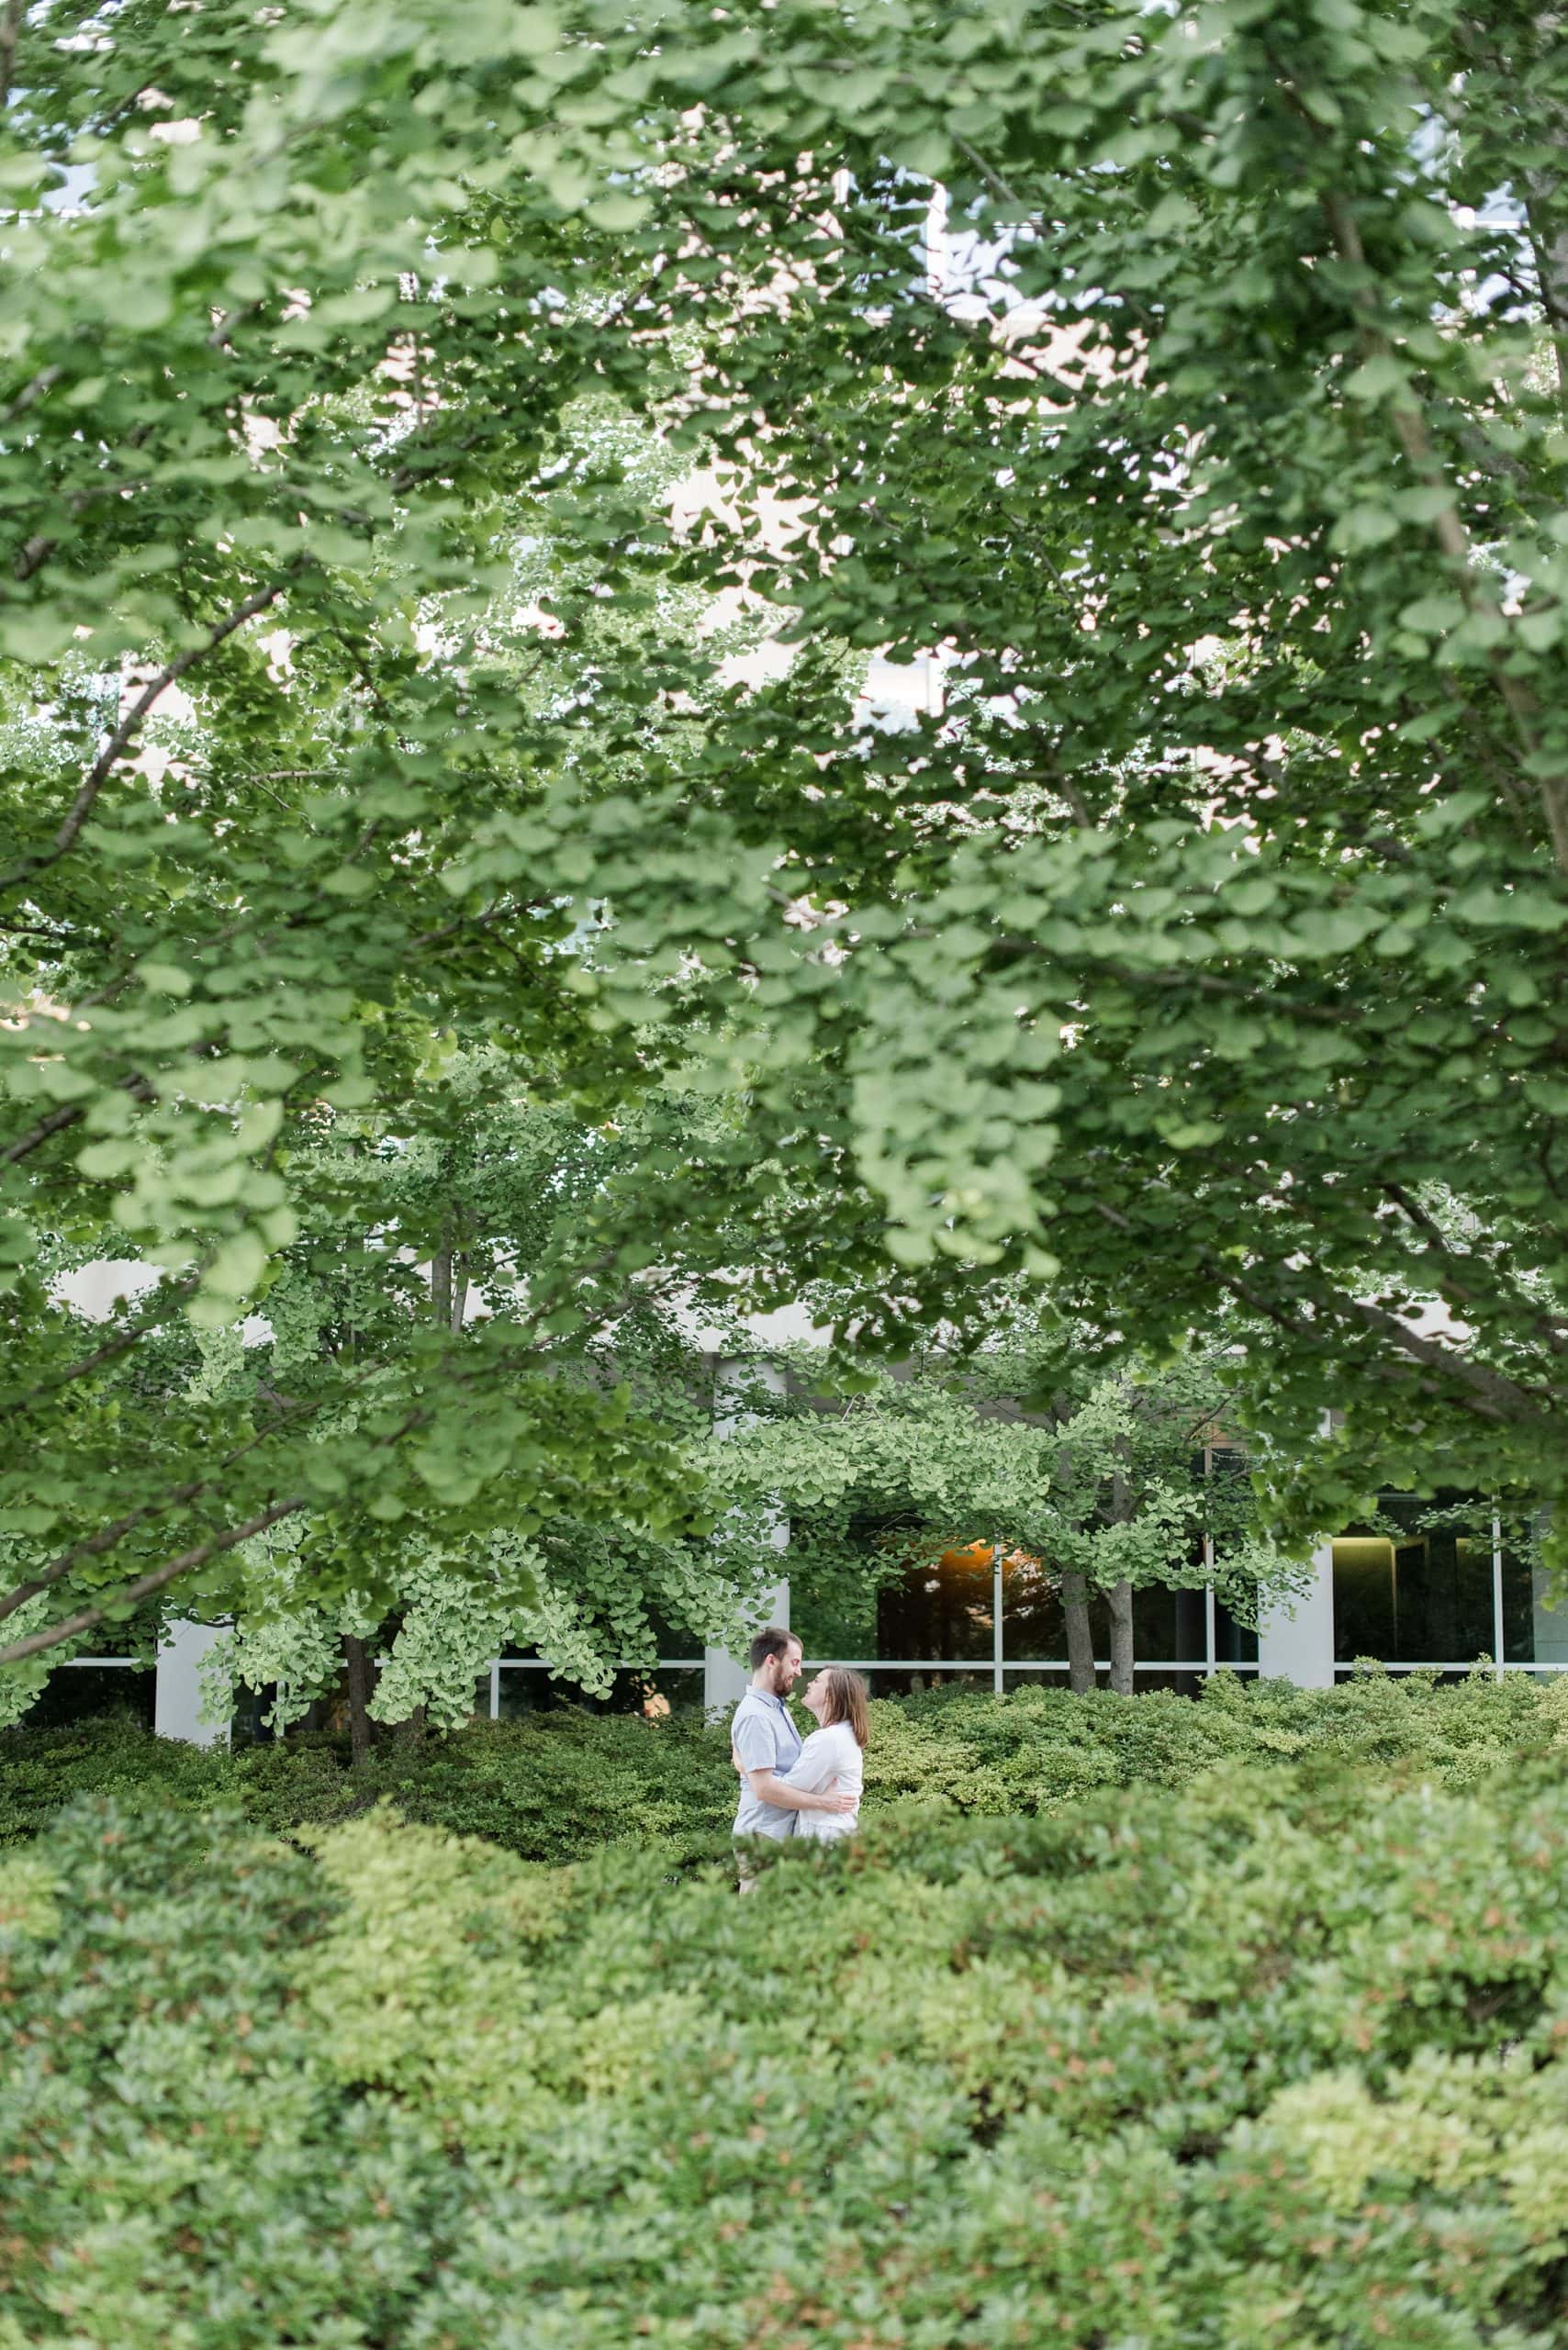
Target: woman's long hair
846	1695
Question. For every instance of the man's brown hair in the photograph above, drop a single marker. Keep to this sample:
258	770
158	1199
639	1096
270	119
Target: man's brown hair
770	1642
846	1695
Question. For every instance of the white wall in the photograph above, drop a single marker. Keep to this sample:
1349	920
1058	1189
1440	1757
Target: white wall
177	1705
1297	1642
724	1677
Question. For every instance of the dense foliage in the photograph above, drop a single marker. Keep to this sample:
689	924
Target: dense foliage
1261	2062
1110	1486
555	1787
391	399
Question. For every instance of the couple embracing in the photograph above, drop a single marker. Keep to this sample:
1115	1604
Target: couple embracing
787	1787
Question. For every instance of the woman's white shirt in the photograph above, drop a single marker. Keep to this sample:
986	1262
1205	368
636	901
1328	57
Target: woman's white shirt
830	1758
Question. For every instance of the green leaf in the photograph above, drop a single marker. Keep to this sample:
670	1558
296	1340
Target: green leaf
1363	526
164	979
1380	378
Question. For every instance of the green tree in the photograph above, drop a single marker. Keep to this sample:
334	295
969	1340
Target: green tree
1204	950
333	540
1106	1490
451	1227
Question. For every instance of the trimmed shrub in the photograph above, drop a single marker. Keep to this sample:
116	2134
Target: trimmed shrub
549	1788
555	1787
1280	2059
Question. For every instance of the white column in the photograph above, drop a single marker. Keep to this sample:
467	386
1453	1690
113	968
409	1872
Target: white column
177	1703
724	1677
1296	1638
998	1604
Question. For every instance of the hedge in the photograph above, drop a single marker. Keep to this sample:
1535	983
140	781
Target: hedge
1280	2059
557	1786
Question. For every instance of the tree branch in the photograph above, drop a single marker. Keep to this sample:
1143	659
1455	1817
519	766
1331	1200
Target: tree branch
68	1116
992	179
56	1122
197	1556
1552	1326
1499	1397
44	381
93	1545
10	32
1410	425
110	1351
115	748
199	1553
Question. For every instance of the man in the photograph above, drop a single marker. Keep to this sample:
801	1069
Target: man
766	1743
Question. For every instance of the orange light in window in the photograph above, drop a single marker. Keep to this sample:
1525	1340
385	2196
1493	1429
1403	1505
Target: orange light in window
974	1556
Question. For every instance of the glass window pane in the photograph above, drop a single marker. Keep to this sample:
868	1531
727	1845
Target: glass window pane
531	1690
1416	1590
1534	1631
1233	1643
1168	1626
1363	1596
833	1597
1346	1673
940	1607
678	1687
1033	1624
831	1617
79	1693
889	1681
1443	1586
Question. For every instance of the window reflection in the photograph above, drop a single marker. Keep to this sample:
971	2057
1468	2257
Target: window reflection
1033	1624
1416	1587
1235	1643
914	1611
1423	1585
83	1693
940	1607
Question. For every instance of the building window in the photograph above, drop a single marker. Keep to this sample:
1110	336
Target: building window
914	1623
83	1689
1439	1582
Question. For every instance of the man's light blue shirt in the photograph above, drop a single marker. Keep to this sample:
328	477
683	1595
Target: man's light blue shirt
765	1739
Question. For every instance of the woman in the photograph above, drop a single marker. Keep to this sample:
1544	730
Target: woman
833	1756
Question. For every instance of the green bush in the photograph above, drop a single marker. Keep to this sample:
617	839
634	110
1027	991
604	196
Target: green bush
555	1787
1278	2060
550	1788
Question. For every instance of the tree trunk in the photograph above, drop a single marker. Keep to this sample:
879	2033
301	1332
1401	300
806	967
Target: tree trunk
1080	1637
449	1289
1120	1598
356	1655
1120	1594
441	1287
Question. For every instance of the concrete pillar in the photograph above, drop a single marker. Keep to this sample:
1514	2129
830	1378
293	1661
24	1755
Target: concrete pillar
1295	1640
177	1704
724	1677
